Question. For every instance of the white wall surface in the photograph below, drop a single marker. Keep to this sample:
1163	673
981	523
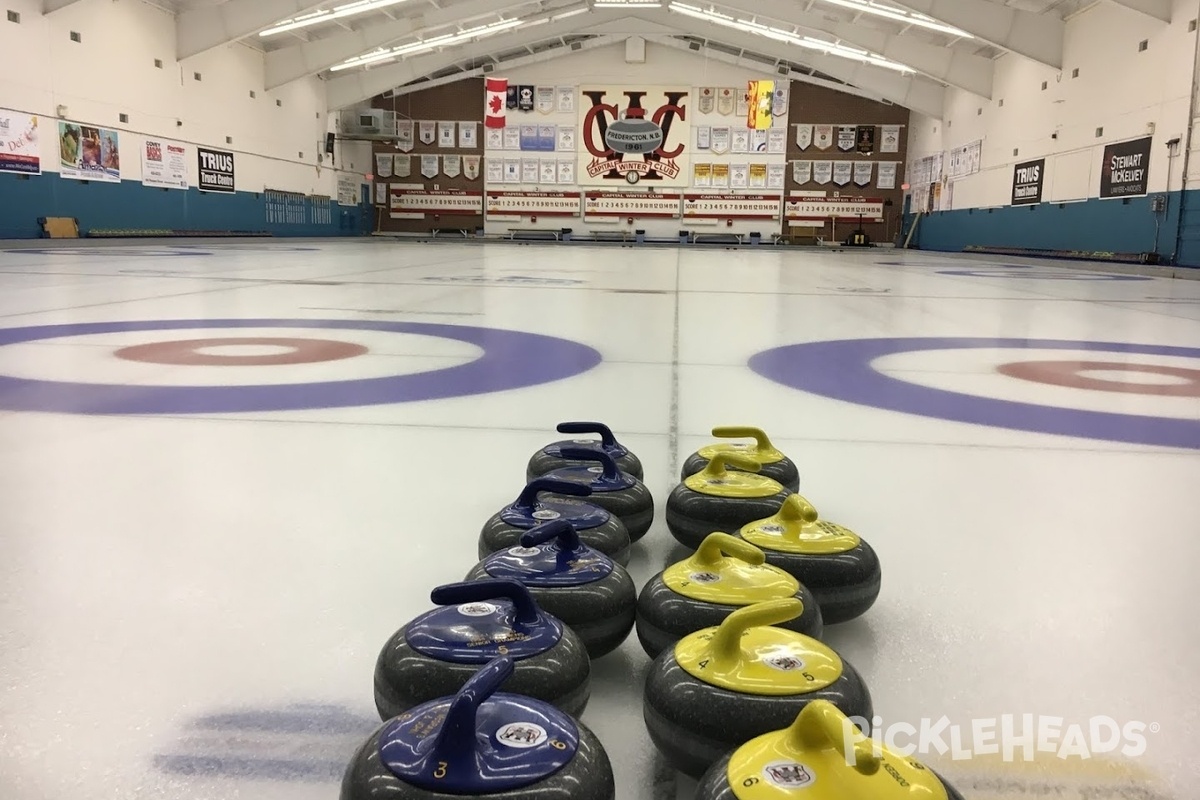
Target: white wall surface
112	71
606	66
1128	93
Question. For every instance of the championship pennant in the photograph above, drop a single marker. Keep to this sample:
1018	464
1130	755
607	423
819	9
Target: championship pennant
725	100
497	90
708	99
804	136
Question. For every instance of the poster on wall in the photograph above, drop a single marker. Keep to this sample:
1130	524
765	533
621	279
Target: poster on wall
164	164
776	175
630	134
566	171
19	145
467	139
545	99
1028	179
89	153
886	178
446	136
216	171
495	139
891	139
1126	169
565	99
348	190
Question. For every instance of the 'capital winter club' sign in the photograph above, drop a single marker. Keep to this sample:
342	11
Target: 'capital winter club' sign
1126	169
631	134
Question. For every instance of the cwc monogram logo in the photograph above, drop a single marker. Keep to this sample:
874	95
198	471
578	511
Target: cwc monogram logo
788	775
635	130
521	735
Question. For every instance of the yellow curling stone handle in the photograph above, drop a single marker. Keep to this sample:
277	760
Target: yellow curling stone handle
729	571
763	451
747	654
824	756
798	529
714	479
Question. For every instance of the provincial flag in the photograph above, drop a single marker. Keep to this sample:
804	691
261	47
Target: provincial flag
760	95
497	92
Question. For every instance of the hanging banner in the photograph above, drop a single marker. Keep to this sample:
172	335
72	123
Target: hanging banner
802	171
529	138
822	172
631	204
512	170
804	136
20	150
495	170
164	165
565	99
708	99
420	203
383	165
470	165
510	98
758	176
866	139
493	139
89	153
566	171
427	131
777	141
802	208
631	134
725	100
529	170
446	137
547	136
732	206
703	137
566	138
843	172
429	166
544	99
886	178
1028	179
720	141
823	136
891	139
743	104
525	98
547	171
846	137
451	166
466	136
720	176
381	194
402	165
1126	169
495	90
512	137
739	176
404	136
759	96
862	172
779	101
758	141
741	141
216	171
542	204
702	175
776	175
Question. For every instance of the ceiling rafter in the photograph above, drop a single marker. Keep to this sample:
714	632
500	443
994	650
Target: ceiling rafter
199	30
1159	9
1038	37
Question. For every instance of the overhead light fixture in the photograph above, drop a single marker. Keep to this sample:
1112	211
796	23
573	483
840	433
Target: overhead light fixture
425	45
337	12
627	4
899	15
788	37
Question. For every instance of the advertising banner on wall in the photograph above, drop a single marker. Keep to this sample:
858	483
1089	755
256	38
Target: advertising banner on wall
19	147
88	153
164	164
1126	169
216	171
634	133
1028	179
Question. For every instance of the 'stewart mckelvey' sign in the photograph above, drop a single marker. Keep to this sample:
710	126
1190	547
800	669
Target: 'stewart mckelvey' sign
1028	179
216	171
1126	169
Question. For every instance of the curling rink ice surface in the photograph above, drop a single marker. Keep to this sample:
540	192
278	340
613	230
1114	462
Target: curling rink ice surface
204	545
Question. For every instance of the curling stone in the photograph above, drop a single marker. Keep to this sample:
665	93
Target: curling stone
717	499
775	465
839	567
820	756
619	493
725	574
550	457
720	687
436	653
481	743
596	527
572	582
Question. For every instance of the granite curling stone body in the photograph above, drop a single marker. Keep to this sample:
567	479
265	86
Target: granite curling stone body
725	574
619	493
723	686
836	564
481	743
821	756
572	582
717	499
550	457
774	464
597	528
436	653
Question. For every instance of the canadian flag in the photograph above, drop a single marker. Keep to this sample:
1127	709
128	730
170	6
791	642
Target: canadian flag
497	91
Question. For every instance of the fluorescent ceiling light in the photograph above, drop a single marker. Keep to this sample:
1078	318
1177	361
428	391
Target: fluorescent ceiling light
910	18
788	37
425	45
337	12
626	4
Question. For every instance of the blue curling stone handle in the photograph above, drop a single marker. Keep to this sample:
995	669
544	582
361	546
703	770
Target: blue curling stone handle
528	510
607	442
606	476
479	741
550	555
481	620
